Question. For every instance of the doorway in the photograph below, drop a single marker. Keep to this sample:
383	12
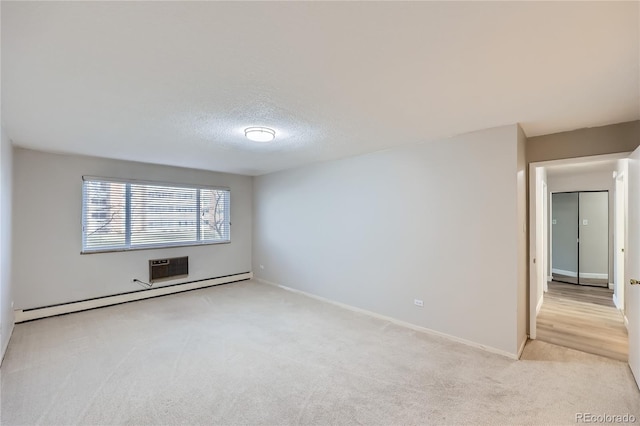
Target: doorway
580	238
583	316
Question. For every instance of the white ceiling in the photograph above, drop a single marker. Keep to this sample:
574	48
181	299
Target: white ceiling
176	82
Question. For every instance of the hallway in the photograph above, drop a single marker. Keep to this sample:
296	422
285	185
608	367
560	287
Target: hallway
583	318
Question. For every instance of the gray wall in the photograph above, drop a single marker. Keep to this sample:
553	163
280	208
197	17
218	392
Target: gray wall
47	264
623	137
434	221
6	294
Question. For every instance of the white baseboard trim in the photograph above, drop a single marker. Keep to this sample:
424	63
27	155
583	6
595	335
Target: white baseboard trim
615	301
610	286
591	275
395	321
522	345
31	314
550	278
6	344
539	305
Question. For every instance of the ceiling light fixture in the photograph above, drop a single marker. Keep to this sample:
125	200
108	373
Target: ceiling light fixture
260	134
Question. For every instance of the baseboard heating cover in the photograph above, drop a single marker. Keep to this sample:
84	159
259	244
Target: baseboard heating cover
83	305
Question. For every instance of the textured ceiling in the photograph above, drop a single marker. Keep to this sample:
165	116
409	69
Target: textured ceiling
177	82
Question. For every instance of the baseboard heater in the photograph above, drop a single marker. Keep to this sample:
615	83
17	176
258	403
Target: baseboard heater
22	315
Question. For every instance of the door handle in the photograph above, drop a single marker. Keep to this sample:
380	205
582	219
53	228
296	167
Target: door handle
634	282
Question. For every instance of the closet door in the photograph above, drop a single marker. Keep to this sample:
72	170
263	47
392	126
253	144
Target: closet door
564	248
594	239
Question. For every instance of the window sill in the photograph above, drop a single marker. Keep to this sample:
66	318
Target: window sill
154	247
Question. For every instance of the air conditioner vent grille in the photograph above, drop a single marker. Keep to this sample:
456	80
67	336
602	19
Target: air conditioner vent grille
165	269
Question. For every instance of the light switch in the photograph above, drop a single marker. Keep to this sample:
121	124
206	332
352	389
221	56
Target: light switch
585	222
554	221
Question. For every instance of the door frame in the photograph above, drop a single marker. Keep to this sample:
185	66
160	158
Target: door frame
619	240
536	280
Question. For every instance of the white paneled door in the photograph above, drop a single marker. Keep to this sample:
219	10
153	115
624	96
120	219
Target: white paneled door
633	264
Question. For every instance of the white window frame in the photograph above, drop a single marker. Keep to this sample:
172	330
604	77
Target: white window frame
128	246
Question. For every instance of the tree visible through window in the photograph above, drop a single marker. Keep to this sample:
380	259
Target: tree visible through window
128	215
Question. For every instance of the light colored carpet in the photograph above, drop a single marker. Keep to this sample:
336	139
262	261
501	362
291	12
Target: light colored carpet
249	353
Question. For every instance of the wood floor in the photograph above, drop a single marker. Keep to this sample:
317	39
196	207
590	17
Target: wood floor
583	318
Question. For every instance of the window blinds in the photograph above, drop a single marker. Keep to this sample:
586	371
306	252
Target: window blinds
121	215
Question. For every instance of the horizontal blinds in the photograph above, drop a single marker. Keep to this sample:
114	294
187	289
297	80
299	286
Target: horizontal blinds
214	215
104	215
162	214
130	215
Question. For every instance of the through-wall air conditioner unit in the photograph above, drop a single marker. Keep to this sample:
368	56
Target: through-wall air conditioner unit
168	269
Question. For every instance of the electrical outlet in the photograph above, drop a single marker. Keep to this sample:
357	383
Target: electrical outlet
261	266
418	302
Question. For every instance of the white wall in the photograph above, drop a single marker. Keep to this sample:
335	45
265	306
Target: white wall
47	264
434	221
588	181
6	295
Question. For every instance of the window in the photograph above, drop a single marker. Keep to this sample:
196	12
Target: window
128	215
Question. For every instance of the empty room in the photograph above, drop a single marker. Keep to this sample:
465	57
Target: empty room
279	213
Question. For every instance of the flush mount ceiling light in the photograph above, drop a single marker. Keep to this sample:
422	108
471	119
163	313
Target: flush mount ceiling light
260	134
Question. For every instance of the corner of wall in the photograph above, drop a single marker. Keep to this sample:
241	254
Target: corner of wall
5	340
6	205
523	236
